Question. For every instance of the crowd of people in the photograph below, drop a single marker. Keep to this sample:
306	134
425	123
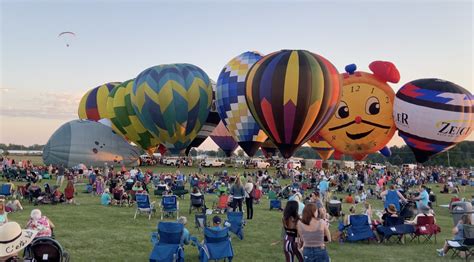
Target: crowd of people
306	217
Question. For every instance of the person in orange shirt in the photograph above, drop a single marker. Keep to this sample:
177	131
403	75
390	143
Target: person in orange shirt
349	199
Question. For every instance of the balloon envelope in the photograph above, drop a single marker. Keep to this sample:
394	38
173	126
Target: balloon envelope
433	115
231	104
223	139
93	105
89	143
292	94
173	102
323	148
268	148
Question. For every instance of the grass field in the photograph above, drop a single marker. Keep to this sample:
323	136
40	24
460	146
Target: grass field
91	232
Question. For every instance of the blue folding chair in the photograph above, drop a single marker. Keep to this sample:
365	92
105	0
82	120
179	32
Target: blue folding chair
168	245
236	221
394	226
359	228
144	205
5	190
216	245
169	205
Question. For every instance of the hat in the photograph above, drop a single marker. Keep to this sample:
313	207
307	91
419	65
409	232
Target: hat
216	220
392	209
13	239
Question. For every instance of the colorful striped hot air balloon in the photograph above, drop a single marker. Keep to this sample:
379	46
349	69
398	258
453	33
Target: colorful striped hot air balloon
292	94
128	120
211	122
173	102
323	148
223	139
268	148
93	105
433	115
231	104
116	126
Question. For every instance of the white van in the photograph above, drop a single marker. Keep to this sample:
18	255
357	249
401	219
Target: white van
409	166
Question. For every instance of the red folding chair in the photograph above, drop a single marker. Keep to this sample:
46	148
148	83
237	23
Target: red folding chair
426	227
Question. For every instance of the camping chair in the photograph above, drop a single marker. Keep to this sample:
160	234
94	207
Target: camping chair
168	245
222	204
45	249
216	245
334	209
236	221
159	190
275	203
169	206
394	226
258	195
180	191
359	228
426	227
5	190
200	221
144	205
465	245
197	202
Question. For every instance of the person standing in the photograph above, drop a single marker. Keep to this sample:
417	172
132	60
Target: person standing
290	221
238	193
392	196
249	196
312	231
60	175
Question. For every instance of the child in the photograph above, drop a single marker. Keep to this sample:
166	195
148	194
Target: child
105	199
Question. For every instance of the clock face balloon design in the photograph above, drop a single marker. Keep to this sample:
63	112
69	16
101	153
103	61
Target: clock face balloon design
363	122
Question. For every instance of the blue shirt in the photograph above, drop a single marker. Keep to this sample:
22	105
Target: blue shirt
424	198
185	236
323	186
105	199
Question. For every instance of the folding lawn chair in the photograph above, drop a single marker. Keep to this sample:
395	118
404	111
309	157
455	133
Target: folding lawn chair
216	245
200	220
144	205
275	203
395	226
236	221
426	227
169	206
359	228
168	245
197	202
222	204
5	190
465	245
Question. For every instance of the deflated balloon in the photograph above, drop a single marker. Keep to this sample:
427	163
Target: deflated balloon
173	101
223	139
363	123
292	94
433	115
89	143
231	104
125	116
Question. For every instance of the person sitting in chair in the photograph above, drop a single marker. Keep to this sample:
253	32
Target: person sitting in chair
105	199
185	238
458	232
40	223
216	223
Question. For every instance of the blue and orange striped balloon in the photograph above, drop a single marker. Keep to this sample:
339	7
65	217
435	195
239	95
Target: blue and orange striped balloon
292	94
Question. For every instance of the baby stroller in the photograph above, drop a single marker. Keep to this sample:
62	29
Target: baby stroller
221	205
407	210
45	249
334	208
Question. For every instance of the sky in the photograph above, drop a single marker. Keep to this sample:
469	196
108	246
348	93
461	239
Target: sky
42	80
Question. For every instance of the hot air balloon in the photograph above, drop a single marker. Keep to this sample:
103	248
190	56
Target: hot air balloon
93	105
89	143
433	115
292	94
223	139
363	123
323	148
128	120
116	126
211	122
67	36
268	148
173	102
231	104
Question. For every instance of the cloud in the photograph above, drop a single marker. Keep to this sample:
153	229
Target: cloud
46	104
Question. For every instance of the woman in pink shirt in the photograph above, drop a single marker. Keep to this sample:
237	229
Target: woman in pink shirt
40	223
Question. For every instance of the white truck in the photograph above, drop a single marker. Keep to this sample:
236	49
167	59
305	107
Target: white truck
409	166
213	162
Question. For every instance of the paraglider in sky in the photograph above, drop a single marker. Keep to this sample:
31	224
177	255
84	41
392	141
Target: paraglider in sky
67	36
363	123
323	148
292	94
93	105
223	139
128	120
268	148
211	122
172	102
433	115
231	104
89	143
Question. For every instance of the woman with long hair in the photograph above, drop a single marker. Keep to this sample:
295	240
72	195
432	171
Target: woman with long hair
238	193
312	231
290	220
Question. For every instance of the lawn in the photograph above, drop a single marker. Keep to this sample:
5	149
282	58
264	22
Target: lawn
91	232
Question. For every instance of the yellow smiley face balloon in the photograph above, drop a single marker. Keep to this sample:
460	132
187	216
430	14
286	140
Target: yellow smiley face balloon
363	122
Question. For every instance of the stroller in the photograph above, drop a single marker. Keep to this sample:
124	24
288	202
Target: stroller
407	210
334	208
45	249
